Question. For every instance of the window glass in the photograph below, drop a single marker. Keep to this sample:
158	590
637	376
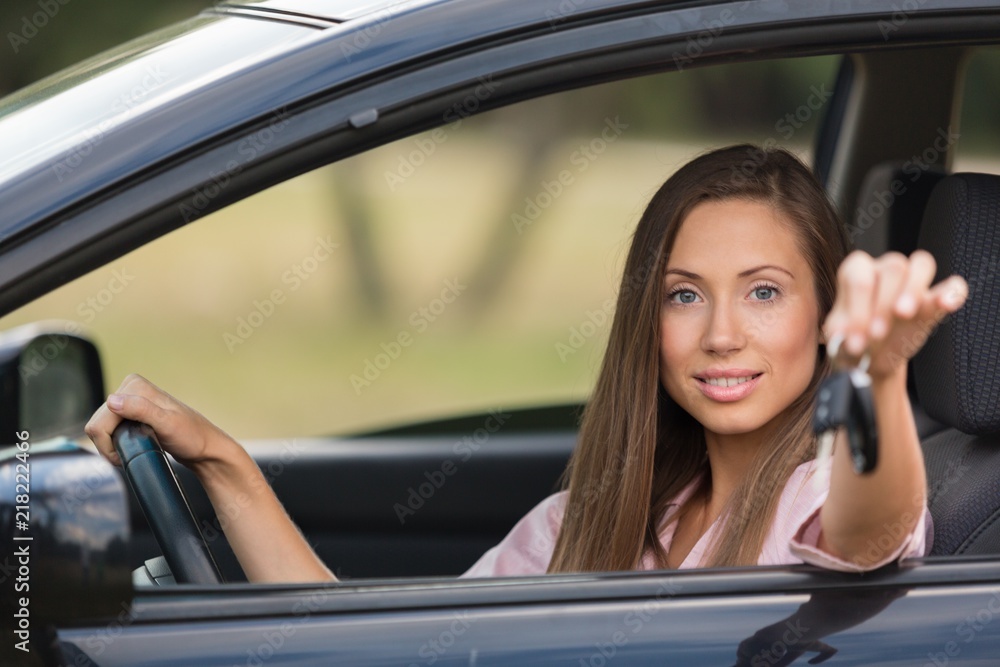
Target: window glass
978	147
468	267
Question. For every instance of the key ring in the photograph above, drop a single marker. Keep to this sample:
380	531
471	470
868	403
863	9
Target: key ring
833	349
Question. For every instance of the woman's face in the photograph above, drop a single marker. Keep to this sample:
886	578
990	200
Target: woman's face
740	320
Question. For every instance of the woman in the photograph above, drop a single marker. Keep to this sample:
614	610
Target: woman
696	447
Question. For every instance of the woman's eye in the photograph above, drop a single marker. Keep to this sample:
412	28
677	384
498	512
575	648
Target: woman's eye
685	296
764	293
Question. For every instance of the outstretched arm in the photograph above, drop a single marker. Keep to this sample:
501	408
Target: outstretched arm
269	546
888	307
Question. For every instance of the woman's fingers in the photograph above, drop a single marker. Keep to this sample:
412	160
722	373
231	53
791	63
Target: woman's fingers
102	423
883	303
138	408
891	275
921	271
136	399
950	294
851	313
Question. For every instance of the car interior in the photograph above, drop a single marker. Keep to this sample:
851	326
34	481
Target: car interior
894	148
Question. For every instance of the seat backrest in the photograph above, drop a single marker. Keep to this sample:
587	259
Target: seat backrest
957	372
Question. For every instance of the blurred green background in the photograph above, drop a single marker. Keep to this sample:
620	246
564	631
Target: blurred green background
528	324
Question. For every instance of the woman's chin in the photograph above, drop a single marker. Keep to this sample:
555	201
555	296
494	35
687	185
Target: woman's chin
735	424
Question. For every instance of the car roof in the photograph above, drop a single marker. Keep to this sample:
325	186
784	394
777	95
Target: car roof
118	115
336	11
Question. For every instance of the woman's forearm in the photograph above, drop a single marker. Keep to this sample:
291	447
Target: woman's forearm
866	517
267	543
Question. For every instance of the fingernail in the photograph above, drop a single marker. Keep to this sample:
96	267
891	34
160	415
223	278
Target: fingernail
878	328
955	296
906	304
115	402
855	344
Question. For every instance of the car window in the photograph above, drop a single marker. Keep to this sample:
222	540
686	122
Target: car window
978	146
469	267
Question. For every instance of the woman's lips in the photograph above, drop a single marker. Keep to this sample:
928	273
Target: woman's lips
730	393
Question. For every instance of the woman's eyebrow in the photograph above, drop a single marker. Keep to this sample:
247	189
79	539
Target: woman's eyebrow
742	274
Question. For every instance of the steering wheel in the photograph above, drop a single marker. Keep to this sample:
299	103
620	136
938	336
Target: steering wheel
164	504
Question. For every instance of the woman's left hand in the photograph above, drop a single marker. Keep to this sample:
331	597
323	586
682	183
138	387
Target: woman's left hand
888	307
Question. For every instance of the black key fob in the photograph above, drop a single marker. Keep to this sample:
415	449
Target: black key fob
845	400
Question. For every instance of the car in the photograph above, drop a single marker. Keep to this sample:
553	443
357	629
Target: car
484	176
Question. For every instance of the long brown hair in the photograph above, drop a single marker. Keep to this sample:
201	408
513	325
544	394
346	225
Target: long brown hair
637	448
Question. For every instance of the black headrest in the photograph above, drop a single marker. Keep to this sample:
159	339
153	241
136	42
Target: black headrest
891	199
958	370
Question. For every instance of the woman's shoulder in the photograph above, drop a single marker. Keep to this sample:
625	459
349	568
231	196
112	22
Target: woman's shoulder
528	547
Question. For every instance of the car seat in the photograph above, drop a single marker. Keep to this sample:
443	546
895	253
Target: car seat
957	372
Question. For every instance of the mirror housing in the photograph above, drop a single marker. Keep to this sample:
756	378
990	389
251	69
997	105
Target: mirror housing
50	381
64	552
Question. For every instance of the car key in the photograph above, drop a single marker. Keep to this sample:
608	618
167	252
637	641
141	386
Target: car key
844	399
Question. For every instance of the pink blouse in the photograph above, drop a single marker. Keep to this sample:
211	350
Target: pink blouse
794	537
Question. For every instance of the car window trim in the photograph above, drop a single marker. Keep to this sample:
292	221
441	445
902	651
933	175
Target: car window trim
234	601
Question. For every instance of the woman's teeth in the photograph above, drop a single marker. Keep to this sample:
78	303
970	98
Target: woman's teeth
728	382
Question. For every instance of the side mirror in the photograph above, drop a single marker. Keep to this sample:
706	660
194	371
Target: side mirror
50	381
64	524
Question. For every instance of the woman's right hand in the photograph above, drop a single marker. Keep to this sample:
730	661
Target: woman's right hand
268	545
182	431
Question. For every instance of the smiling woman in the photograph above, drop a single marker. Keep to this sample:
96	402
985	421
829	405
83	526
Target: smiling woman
703	404
696	448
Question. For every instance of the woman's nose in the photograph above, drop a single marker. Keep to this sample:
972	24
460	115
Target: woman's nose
724	332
